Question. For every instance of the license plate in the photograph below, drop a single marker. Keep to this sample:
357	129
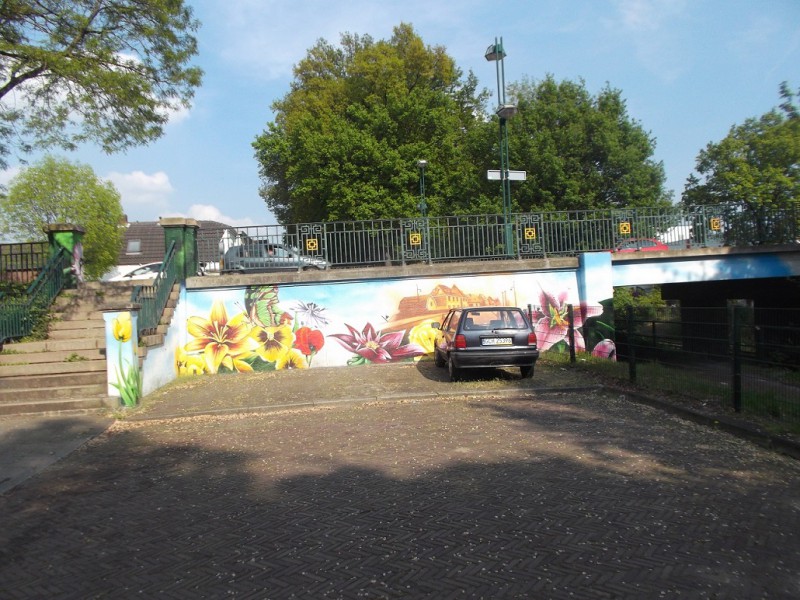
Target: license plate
496	341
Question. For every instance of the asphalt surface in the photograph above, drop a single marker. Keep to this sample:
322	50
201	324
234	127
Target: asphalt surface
393	483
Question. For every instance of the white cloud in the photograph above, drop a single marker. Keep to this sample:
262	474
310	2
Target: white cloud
209	212
266	38
653	28
644	16
144	196
6	175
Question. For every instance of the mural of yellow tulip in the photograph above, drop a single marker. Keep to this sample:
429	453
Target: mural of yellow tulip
122	327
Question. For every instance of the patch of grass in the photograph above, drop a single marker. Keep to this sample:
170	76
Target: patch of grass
74	357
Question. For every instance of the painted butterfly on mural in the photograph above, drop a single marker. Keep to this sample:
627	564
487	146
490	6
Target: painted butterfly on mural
261	306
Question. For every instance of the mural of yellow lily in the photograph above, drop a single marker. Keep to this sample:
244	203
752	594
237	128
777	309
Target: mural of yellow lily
223	342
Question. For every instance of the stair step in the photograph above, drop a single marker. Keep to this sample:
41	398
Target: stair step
65	392
32	380
73	324
98	333
52	356
41	369
75	343
93	295
97	404
78	312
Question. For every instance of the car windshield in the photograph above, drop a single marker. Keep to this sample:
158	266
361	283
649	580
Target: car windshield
494	319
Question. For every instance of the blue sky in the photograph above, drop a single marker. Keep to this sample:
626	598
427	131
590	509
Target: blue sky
688	70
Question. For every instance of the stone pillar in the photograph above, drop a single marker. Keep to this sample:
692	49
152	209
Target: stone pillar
184	233
69	237
122	355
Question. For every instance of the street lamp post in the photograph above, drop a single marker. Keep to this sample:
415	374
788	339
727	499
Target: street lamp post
423	208
505	111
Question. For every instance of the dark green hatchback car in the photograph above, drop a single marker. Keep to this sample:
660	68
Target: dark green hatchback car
485	336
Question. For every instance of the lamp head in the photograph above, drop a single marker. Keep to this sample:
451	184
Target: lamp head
506	111
495	52
422	163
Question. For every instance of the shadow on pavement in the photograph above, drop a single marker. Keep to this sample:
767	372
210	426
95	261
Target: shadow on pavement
580	495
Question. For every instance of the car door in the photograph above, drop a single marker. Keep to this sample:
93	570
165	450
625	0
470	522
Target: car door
448	331
281	258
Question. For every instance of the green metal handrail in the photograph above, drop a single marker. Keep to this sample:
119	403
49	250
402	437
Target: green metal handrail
153	298
19	316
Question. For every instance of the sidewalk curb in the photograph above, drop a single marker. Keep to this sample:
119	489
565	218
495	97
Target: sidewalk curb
364	400
739	428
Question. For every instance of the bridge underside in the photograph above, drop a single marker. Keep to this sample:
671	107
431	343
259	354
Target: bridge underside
763	293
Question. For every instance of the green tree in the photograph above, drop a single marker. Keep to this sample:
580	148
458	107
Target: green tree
57	191
579	151
755	168
106	71
347	136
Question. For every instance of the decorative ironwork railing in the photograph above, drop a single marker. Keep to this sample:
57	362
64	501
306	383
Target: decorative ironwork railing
534	235
20	263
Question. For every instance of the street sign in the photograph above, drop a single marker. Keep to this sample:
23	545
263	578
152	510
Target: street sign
512	175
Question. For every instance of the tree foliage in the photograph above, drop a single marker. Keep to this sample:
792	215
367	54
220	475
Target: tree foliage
347	136
580	151
756	167
107	71
57	191
757	163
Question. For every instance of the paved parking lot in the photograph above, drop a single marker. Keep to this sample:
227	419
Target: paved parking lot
557	495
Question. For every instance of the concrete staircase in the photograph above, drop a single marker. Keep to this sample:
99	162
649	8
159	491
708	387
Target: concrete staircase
66	373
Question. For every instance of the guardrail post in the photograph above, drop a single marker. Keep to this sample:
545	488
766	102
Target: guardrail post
631	347
571	332
737	359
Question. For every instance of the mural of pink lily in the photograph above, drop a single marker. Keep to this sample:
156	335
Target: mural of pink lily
372	346
552	322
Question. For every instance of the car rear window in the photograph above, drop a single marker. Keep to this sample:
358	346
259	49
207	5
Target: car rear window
494	319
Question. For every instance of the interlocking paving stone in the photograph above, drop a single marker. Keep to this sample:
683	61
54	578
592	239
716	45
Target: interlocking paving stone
578	495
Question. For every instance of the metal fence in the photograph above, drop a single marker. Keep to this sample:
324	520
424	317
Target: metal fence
153	298
20	315
21	263
534	235
744	358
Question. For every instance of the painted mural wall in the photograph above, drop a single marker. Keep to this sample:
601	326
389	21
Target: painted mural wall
339	324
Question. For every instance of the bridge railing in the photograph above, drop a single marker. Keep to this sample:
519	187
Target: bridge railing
20	263
152	298
21	314
534	235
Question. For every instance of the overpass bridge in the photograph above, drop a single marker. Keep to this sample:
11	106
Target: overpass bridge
328	318
339	316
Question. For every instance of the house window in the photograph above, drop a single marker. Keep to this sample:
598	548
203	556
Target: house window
134	247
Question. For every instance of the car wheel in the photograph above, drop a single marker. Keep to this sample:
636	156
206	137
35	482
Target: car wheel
438	359
526	372
455	373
